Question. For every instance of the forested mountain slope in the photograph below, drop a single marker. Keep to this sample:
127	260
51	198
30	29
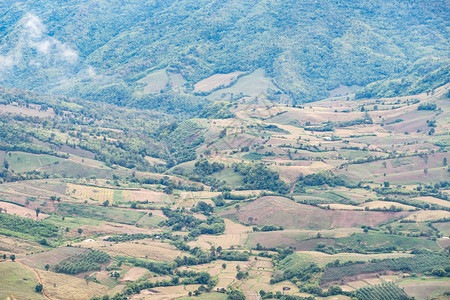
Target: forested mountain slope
105	50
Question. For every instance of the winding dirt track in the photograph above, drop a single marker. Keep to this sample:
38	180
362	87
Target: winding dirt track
293	187
37	275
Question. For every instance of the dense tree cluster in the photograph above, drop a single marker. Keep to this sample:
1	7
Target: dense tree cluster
268	228
181	139
218	110
128	237
234	255
260	177
84	262
383	291
206	281
13	225
203	208
427	106
322	178
203	167
179	220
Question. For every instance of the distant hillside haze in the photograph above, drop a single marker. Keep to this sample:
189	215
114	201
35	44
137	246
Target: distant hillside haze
151	54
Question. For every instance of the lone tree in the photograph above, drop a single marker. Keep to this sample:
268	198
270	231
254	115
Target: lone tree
47	267
80	231
38	210
13	257
38	288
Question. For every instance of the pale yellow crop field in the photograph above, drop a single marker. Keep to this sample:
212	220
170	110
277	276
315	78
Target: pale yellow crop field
386	205
433	200
338	206
134	274
61	286
101	194
429	215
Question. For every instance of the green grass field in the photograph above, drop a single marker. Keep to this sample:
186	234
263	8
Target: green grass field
70	169
298	259
253	156
19	280
118	197
372	241
426	288
25	162
150	221
232	178
407	227
71	222
101	213
155	81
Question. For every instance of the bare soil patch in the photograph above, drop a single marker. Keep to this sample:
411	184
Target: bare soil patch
53	257
20	211
216	81
134	274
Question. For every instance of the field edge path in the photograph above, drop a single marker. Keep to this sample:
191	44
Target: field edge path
38	277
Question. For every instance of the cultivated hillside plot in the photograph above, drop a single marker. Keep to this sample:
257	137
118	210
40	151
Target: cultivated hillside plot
285	212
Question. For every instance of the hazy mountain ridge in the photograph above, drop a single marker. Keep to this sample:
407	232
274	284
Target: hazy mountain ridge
306	47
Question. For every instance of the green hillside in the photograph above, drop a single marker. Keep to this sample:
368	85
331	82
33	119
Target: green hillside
101	50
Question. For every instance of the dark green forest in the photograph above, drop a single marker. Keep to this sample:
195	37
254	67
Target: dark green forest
99	50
